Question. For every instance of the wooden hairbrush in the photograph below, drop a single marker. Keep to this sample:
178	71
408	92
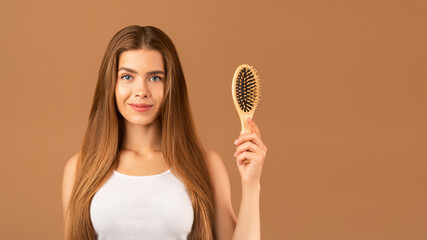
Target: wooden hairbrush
246	92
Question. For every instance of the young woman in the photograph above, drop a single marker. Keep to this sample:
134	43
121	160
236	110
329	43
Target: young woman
142	172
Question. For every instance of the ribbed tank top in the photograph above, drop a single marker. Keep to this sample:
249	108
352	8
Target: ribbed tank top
142	207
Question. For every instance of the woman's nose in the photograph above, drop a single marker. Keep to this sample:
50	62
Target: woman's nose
142	89
141	94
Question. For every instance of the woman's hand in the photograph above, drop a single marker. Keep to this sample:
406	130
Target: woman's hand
250	147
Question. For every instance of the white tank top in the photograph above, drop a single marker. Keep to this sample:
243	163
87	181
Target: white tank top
142	207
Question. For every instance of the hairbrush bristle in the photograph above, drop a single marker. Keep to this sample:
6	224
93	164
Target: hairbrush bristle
247	89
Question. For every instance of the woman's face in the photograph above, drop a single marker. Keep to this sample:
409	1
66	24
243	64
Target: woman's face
140	79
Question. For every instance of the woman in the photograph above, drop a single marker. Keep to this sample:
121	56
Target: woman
142	172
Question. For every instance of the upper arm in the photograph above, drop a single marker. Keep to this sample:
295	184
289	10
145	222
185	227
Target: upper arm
225	220
68	182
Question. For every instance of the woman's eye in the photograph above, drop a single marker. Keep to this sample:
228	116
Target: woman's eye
126	76
157	78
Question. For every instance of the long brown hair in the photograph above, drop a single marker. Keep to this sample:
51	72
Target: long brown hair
182	149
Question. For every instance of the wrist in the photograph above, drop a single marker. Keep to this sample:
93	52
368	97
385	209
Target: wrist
251	186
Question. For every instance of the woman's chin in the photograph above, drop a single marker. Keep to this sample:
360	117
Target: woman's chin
142	120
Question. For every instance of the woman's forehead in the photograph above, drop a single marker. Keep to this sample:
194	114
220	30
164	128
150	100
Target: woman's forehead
141	60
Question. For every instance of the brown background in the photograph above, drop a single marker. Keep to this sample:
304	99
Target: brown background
343	106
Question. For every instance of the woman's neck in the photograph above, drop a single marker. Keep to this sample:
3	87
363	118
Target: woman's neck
143	139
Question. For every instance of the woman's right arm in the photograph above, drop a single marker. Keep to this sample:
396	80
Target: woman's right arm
67	185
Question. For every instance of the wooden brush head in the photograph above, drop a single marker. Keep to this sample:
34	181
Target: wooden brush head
246	93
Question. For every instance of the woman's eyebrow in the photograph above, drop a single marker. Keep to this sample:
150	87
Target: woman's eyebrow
148	73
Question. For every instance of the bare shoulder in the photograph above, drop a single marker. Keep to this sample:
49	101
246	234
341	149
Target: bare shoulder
226	220
70	170
216	164
211	154
70	166
72	161
68	179
218	172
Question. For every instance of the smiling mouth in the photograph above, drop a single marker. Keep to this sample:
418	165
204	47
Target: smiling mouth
140	105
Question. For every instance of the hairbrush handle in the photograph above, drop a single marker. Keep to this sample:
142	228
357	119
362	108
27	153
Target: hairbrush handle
245	126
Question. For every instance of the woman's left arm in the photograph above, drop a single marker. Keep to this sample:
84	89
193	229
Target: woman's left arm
249	147
247	226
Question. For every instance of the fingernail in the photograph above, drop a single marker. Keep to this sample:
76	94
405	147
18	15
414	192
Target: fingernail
235	142
250	119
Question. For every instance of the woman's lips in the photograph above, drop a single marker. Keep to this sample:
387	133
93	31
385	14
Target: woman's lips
140	107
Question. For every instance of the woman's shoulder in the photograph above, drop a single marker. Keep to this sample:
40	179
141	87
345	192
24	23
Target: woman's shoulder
71	164
222	192
212	154
213	158
68	180
216	165
70	171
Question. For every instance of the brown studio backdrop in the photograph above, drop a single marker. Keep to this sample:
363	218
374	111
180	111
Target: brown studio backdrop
342	108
